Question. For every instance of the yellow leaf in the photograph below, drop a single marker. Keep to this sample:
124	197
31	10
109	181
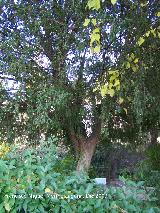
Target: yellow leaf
143	5
125	110
158	14
110	85
113	77
86	22
121	100
114	72
92	49
113	2
94	37
117	82
140	41
95	89
128	65
103	90
94	4
134	68
158	35
132	56
96	30
136	60
118	87
94	21
111	92
153	32
147	33
96	49
129	59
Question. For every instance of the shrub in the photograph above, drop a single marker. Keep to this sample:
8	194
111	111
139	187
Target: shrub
149	170
30	183
153	156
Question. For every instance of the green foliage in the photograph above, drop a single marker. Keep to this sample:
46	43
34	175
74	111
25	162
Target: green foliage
150	177
153	155
29	182
149	170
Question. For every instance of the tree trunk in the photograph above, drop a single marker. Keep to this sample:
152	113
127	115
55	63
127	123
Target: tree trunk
86	152
85	147
154	136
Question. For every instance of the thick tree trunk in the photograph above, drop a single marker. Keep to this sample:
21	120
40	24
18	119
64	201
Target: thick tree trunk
87	149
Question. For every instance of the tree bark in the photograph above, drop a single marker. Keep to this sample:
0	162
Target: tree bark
87	149
154	136
85	146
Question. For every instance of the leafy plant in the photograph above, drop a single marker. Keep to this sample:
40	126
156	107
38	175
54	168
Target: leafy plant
153	155
149	170
30	182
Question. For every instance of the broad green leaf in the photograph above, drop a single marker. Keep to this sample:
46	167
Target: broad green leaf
86	22
141	41
2	210
7	206
113	2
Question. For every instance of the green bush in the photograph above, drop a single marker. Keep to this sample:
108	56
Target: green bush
153	156
149	170
30	182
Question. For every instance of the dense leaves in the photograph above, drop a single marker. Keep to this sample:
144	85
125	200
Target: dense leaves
30	182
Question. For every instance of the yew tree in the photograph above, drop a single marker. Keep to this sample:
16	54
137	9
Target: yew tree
73	64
